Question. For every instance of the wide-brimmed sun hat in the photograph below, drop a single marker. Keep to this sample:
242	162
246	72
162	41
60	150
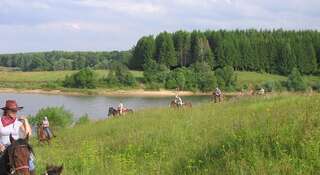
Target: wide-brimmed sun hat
12	105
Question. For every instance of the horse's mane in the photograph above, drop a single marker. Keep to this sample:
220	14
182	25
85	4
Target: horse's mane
22	142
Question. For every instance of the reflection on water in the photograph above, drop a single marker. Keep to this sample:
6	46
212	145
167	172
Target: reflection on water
94	106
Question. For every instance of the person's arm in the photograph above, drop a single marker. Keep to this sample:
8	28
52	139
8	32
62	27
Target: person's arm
26	128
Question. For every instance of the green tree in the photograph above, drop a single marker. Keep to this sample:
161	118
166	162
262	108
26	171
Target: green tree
85	78
144	51
165	52
286	60
295	81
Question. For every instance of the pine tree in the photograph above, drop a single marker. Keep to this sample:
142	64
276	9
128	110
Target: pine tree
165	52
286	60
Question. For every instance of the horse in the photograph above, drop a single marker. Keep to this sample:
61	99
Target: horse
173	104
42	136
217	98
53	170
15	159
115	112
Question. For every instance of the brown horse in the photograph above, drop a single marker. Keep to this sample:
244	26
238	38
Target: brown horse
115	112
15	159
173	104
217	98
53	170
42	136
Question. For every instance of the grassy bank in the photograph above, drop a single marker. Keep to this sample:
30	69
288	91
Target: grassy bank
265	135
47	80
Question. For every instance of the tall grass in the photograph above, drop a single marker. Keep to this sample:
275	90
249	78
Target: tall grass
265	135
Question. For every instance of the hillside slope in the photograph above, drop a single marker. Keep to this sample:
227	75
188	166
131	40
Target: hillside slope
263	135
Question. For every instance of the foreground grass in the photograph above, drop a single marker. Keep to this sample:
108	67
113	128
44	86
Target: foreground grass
266	135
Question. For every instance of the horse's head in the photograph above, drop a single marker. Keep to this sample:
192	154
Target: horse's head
53	170
19	155
111	111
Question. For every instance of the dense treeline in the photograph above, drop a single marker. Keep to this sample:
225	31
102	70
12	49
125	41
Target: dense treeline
276	51
59	60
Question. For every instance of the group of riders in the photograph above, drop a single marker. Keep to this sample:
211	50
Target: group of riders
12	126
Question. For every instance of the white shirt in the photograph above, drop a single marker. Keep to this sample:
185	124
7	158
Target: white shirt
45	123
13	129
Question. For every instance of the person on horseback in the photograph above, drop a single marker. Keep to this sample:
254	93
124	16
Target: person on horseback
178	101
120	108
45	125
218	92
11	125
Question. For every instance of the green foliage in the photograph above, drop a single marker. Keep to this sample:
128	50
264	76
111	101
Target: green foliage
85	119
226	78
206	80
120	75
144	51
176	79
295	81
316	86
85	78
165	52
154	73
57	116
272	86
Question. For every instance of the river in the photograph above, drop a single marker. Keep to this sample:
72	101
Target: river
95	106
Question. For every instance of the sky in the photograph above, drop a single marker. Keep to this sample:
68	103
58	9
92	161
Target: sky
105	25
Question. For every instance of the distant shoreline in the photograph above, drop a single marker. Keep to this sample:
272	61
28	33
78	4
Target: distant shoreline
105	92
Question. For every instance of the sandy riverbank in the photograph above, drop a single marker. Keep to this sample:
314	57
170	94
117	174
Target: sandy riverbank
103	92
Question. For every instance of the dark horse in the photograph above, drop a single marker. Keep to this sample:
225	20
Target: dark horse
15	159
173	104
217	98
115	112
42	136
53	170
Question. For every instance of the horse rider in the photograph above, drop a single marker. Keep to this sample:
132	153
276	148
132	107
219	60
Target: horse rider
45	125
261	91
178	101
10	124
120	108
218	92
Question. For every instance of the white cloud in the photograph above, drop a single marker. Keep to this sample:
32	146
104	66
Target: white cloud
126	6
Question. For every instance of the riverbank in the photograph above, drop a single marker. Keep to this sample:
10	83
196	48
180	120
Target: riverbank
105	92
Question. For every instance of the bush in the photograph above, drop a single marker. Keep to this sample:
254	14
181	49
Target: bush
176	79
120	75
85	78
272	86
57	116
295	81
226	78
83	120
316	86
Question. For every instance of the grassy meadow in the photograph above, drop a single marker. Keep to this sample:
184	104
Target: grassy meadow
45	79
257	135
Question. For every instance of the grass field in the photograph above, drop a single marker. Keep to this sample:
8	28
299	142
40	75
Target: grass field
261	135
34	80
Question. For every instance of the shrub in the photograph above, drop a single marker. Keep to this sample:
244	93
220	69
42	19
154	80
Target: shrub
295	81
85	78
176	79
226	78
57	116
83	120
120	75
316	86
272	86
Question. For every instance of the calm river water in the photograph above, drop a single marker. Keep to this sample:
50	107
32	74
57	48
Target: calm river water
95	106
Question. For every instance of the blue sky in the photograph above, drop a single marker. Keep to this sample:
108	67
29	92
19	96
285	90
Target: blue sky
95	25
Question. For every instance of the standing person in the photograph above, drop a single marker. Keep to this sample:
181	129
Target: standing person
45	125
10	124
